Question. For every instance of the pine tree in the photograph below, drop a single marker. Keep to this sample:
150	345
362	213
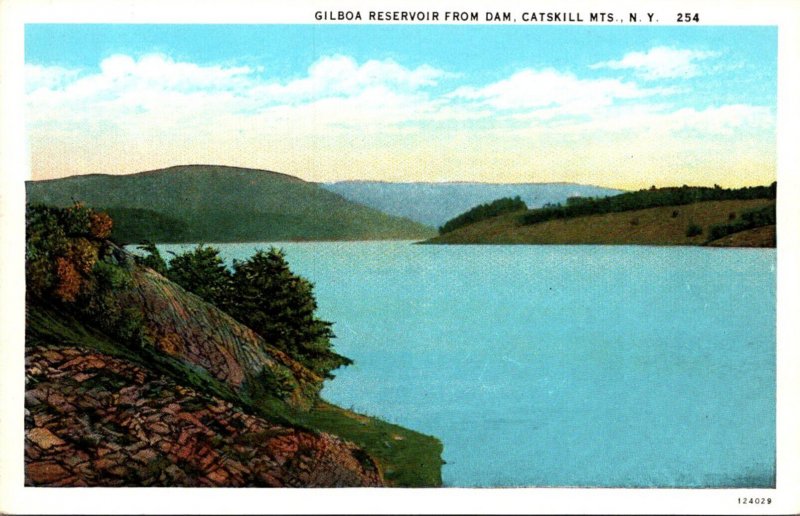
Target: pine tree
202	272
280	306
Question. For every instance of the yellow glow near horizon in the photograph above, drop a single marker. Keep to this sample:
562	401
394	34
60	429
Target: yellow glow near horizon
618	161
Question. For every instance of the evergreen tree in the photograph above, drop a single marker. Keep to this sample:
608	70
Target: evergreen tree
202	272
280	306
152	259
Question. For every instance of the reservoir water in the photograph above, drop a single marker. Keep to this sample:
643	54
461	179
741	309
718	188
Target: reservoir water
558	365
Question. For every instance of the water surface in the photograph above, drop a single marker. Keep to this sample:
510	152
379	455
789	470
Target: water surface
558	365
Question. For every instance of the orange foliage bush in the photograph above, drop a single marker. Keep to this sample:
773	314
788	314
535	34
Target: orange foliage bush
69	280
100	224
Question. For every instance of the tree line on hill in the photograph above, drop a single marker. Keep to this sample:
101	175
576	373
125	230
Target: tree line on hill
643	199
484	211
751	219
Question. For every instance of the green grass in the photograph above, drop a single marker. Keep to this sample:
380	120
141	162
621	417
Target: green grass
405	457
664	225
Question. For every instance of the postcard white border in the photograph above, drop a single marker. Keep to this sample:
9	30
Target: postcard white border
15	499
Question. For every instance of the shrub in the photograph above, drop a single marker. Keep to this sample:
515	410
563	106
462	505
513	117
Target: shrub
70	265
69	281
277	382
693	230
100	225
45	241
82	254
76	220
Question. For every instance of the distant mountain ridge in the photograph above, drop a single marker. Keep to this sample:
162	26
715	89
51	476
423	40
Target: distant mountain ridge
210	203
434	204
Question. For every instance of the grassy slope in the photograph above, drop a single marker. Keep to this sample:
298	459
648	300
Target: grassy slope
406	458
231	204
765	236
653	226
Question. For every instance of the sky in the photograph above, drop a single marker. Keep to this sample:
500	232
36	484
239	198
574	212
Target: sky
624	107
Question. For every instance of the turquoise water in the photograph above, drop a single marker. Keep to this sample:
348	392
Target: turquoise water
559	366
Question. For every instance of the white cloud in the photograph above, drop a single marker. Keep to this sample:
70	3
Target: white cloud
130	89
561	93
657	120
660	63
47	77
366	118
338	76
720	120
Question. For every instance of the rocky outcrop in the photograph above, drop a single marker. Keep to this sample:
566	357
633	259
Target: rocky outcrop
183	326
96	420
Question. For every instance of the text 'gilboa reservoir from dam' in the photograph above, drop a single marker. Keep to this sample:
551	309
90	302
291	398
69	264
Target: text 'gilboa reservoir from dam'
483	17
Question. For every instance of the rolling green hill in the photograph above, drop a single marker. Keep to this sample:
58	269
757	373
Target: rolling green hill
208	203
685	215
665	225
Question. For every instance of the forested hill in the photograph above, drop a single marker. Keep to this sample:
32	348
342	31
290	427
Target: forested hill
434	204
744	217
208	203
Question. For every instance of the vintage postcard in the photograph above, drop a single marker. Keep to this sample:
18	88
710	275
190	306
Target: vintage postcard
519	258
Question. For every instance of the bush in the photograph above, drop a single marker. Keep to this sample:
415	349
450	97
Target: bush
60	250
69	281
76	219
277	382
693	230
100	225
69	264
45	241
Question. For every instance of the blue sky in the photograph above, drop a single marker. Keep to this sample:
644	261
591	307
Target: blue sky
408	102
